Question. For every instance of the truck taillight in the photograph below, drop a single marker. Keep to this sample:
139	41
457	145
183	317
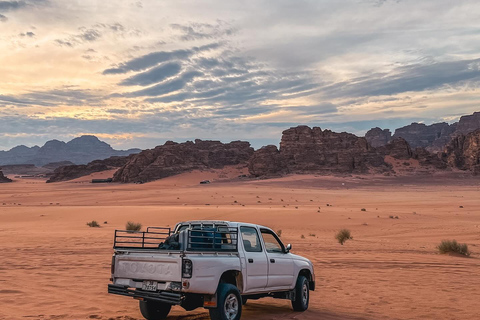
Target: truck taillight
187	268
112	267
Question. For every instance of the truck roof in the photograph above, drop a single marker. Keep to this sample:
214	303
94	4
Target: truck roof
224	222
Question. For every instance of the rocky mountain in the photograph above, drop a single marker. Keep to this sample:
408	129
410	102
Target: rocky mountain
311	150
3	178
463	152
80	150
377	137
69	172
433	137
174	158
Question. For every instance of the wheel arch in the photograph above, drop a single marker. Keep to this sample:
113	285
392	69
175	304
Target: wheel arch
234	277
308	274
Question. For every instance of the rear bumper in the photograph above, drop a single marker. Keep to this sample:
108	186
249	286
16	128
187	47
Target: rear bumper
162	296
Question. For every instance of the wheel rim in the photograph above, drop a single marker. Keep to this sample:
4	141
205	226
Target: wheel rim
231	306
305	294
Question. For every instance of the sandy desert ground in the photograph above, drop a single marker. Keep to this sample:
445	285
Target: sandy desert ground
52	266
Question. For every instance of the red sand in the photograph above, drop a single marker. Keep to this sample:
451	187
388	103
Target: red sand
53	266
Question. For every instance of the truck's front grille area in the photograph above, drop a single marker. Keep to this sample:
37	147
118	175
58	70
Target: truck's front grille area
163	296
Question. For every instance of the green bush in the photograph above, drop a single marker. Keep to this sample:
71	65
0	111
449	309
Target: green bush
451	246
133	226
343	235
93	224
363	209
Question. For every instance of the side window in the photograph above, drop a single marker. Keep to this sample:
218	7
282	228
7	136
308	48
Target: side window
250	238
271	242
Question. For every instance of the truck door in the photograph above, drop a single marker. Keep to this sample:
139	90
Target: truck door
255	260
280	263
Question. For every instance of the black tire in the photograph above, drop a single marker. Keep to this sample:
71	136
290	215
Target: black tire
153	310
244	300
228	299
302	294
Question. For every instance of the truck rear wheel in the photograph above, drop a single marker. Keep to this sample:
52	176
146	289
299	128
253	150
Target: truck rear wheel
302	294
229	303
154	310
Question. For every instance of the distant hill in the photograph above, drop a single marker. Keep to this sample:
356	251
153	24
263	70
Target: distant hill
81	150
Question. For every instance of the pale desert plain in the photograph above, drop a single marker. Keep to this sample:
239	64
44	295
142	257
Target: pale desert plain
53	266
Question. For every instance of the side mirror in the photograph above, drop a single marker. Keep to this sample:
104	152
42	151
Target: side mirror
288	248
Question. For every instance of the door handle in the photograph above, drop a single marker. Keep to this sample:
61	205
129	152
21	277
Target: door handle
272	260
250	260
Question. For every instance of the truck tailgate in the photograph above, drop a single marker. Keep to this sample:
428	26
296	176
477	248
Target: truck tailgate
149	266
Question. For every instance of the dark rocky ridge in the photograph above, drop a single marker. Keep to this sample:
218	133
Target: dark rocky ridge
70	172
174	158
4	179
463	152
433	137
377	137
311	150
80	150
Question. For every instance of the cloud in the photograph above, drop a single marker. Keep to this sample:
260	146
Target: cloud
55	97
154	58
154	75
167	86
199	31
29	34
12	5
3	18
95	33
416	77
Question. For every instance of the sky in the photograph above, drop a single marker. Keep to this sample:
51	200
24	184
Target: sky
138	73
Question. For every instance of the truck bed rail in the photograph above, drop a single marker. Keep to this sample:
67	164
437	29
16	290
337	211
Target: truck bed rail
149	239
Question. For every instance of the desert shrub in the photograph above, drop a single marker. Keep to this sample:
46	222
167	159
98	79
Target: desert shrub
93	224
391	217
133	226
303	237
279	232
343	235
452	246
312	234
363	209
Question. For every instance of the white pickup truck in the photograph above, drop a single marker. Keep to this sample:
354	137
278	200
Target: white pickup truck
217	265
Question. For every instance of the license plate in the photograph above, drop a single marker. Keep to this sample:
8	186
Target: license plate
149	285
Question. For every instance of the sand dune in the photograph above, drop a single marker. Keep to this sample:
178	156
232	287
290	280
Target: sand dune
53	266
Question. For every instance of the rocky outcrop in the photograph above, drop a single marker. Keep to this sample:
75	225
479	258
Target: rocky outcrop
463	152
377	137
399	149
174	158
80	150
71	172
311	150
267	161
54	165
468	123
421	135
3	178
429	159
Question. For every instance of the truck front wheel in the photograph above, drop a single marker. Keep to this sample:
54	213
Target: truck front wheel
302	294
229	303
153	310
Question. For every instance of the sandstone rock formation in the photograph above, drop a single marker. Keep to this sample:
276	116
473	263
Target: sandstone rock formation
3	178
311	150
267	161
463	152
377	137
174	158
468	123
421	135
399	149
70	172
